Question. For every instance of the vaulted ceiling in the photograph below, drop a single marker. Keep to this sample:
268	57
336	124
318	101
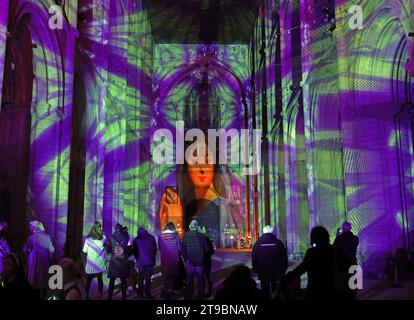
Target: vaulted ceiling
202	21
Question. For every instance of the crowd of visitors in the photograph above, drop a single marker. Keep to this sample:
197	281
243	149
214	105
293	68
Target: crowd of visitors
185	264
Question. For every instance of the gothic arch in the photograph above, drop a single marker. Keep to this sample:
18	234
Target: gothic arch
225	72
386	58
50	114
47	58
15	120
380	87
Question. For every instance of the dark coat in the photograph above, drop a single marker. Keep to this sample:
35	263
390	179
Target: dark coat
118	267
346	244
194	246
319	264
170	251
269	257
17	290
208	254
145	249
239	286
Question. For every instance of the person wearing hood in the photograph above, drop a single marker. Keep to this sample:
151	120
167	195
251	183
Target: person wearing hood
4	245
169	244
118	264
269	261
145	250
39	249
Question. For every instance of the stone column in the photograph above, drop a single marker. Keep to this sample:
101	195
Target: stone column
4	15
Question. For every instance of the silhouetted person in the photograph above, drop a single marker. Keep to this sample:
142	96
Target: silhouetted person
4	245
118	265
402	264
40	249
239	286
346	245
126	231
169	244
195	247
130	241
14	286
145	249
269	260
207	259
319	264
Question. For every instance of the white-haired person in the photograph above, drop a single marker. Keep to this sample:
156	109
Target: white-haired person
39	249
269	260
4	245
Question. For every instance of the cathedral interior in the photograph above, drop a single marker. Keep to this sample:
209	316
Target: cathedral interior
84	89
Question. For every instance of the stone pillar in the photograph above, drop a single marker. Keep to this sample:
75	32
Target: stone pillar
4	15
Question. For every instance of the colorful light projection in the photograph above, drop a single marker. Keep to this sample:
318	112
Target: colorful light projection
132	87
178	74
340	144
345	94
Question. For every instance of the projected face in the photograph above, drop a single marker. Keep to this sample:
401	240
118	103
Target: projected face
201	175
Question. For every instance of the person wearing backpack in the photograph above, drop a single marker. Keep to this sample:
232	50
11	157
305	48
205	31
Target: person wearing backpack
118	264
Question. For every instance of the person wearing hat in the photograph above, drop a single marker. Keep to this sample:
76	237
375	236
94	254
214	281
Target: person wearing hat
4	246
195	247
269	260
39	249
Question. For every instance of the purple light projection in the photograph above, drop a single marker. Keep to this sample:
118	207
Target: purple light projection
334	105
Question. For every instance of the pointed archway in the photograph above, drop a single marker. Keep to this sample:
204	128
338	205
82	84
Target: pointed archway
15	122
